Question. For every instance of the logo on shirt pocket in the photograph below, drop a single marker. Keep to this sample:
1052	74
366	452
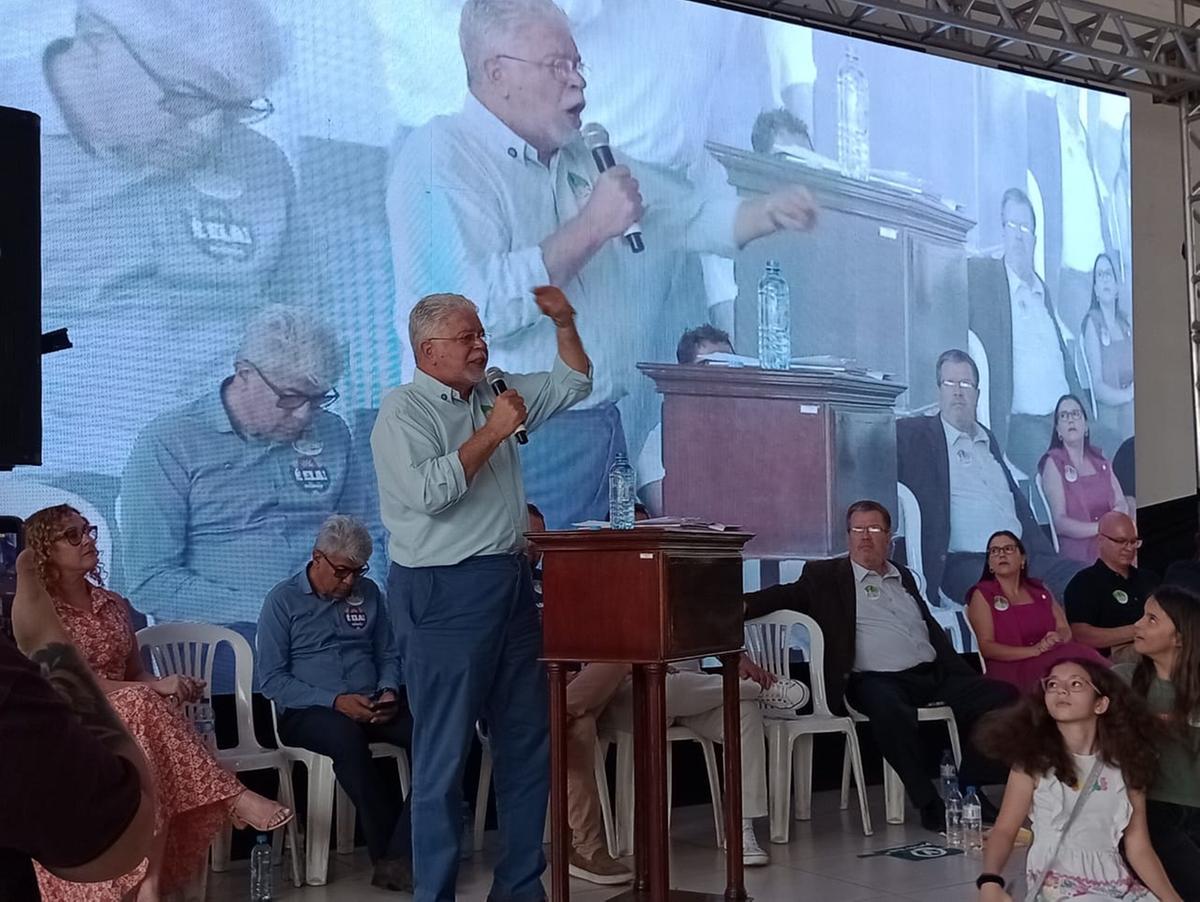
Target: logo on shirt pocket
356	617
310	475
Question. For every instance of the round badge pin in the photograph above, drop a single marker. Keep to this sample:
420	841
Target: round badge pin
307	446
872	591
1121	596
1000	603
1070	474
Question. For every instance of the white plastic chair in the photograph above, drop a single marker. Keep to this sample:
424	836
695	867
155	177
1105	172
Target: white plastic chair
321	791
983	408
909	525
188	649
893	788
790	736
1041	494
485	787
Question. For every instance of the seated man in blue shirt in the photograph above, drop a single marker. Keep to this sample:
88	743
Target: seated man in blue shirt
328	659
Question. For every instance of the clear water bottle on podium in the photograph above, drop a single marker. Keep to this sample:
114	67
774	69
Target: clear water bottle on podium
621	491
854	124
774	319
261	876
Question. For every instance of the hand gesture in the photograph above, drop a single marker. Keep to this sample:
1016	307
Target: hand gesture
748	670
508	413
184	688
554	304
356	707
384	707
615	203
791	208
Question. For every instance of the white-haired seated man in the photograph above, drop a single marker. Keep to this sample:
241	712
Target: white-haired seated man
328	659
221	496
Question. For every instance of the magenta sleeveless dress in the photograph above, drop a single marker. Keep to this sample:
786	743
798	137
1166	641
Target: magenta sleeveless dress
1088	499
1025	625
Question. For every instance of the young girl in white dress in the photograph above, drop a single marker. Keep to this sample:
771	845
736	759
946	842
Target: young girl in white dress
1081	722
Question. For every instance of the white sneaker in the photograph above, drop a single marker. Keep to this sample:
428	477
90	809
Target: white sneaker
785	695
753	855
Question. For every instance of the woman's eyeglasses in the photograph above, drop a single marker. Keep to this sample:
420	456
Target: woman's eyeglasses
75	534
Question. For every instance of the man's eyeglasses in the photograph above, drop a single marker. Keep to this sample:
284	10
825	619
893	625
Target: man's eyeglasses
1002	550
188	103
1125	543
1018	227
466	339
341	573
958	383
1073	685
866	530
562	68
1070	415
75	534
293	400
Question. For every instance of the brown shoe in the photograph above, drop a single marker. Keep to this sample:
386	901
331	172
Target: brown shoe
600	868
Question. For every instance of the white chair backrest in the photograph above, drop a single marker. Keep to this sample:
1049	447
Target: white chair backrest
189	649
22	497
768	642
1083	370
983	409
909	525
1041	494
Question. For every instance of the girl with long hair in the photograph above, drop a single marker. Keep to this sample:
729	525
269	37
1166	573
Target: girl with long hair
194	797
1168	678
1082	751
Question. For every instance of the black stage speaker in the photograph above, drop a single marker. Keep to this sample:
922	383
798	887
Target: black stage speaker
20	288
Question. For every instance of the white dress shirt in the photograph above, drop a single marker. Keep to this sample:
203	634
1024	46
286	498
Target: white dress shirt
1037	368
980	499
891	634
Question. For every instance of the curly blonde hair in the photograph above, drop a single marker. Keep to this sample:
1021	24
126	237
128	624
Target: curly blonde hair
42	530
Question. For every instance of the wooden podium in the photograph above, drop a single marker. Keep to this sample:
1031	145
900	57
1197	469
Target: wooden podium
647	597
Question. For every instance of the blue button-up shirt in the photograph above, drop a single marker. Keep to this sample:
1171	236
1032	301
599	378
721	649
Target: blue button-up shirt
311	649
212	520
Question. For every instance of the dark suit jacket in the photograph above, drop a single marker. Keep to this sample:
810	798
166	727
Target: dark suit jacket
989	314
825	592
923	464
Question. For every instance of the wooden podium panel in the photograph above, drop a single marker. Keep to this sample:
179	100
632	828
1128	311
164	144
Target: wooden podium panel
781	453
645	596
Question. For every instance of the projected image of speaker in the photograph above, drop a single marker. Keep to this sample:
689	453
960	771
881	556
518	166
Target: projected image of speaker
20	289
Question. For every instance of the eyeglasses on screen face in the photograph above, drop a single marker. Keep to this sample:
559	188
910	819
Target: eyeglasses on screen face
561	67
1002	550
466	339
958	383
1019	227
867	530
75	535
341	573
286	399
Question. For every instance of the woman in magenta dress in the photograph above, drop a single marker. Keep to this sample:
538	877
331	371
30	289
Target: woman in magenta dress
1022	631
1079	483
194	797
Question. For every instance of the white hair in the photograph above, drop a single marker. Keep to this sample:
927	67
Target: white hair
429	314
292	341
486	23
345	535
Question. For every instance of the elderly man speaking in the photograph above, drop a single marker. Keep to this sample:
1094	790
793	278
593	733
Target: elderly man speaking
459	587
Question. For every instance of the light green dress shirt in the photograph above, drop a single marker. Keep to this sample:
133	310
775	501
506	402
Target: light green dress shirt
434	517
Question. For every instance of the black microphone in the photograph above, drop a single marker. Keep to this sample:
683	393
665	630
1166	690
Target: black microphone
595	137
495	379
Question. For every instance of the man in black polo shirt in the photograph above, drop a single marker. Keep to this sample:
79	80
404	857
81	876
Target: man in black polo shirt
1105	600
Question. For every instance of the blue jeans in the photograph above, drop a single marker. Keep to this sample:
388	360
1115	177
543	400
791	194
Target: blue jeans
472	640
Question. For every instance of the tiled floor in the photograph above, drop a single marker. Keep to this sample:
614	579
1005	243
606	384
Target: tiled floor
819	863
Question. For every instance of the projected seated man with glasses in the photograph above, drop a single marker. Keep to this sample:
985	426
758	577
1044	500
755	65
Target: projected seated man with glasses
887	656
1105	600
171	218
221	496
1029	349
956	469
518	202
328	659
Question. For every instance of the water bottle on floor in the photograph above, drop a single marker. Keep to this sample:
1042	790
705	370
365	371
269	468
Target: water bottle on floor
954	817
972	822
260	870
947	774
621	490
774	319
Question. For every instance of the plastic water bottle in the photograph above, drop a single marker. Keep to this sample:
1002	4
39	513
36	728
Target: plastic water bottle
260	870
854	134
972	821
947	774
954	818
205	724
774	319
621	490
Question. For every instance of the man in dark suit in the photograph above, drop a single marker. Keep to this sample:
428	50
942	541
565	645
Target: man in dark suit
1029	360
956	470
887	655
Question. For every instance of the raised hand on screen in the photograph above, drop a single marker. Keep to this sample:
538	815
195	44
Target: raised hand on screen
554	304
